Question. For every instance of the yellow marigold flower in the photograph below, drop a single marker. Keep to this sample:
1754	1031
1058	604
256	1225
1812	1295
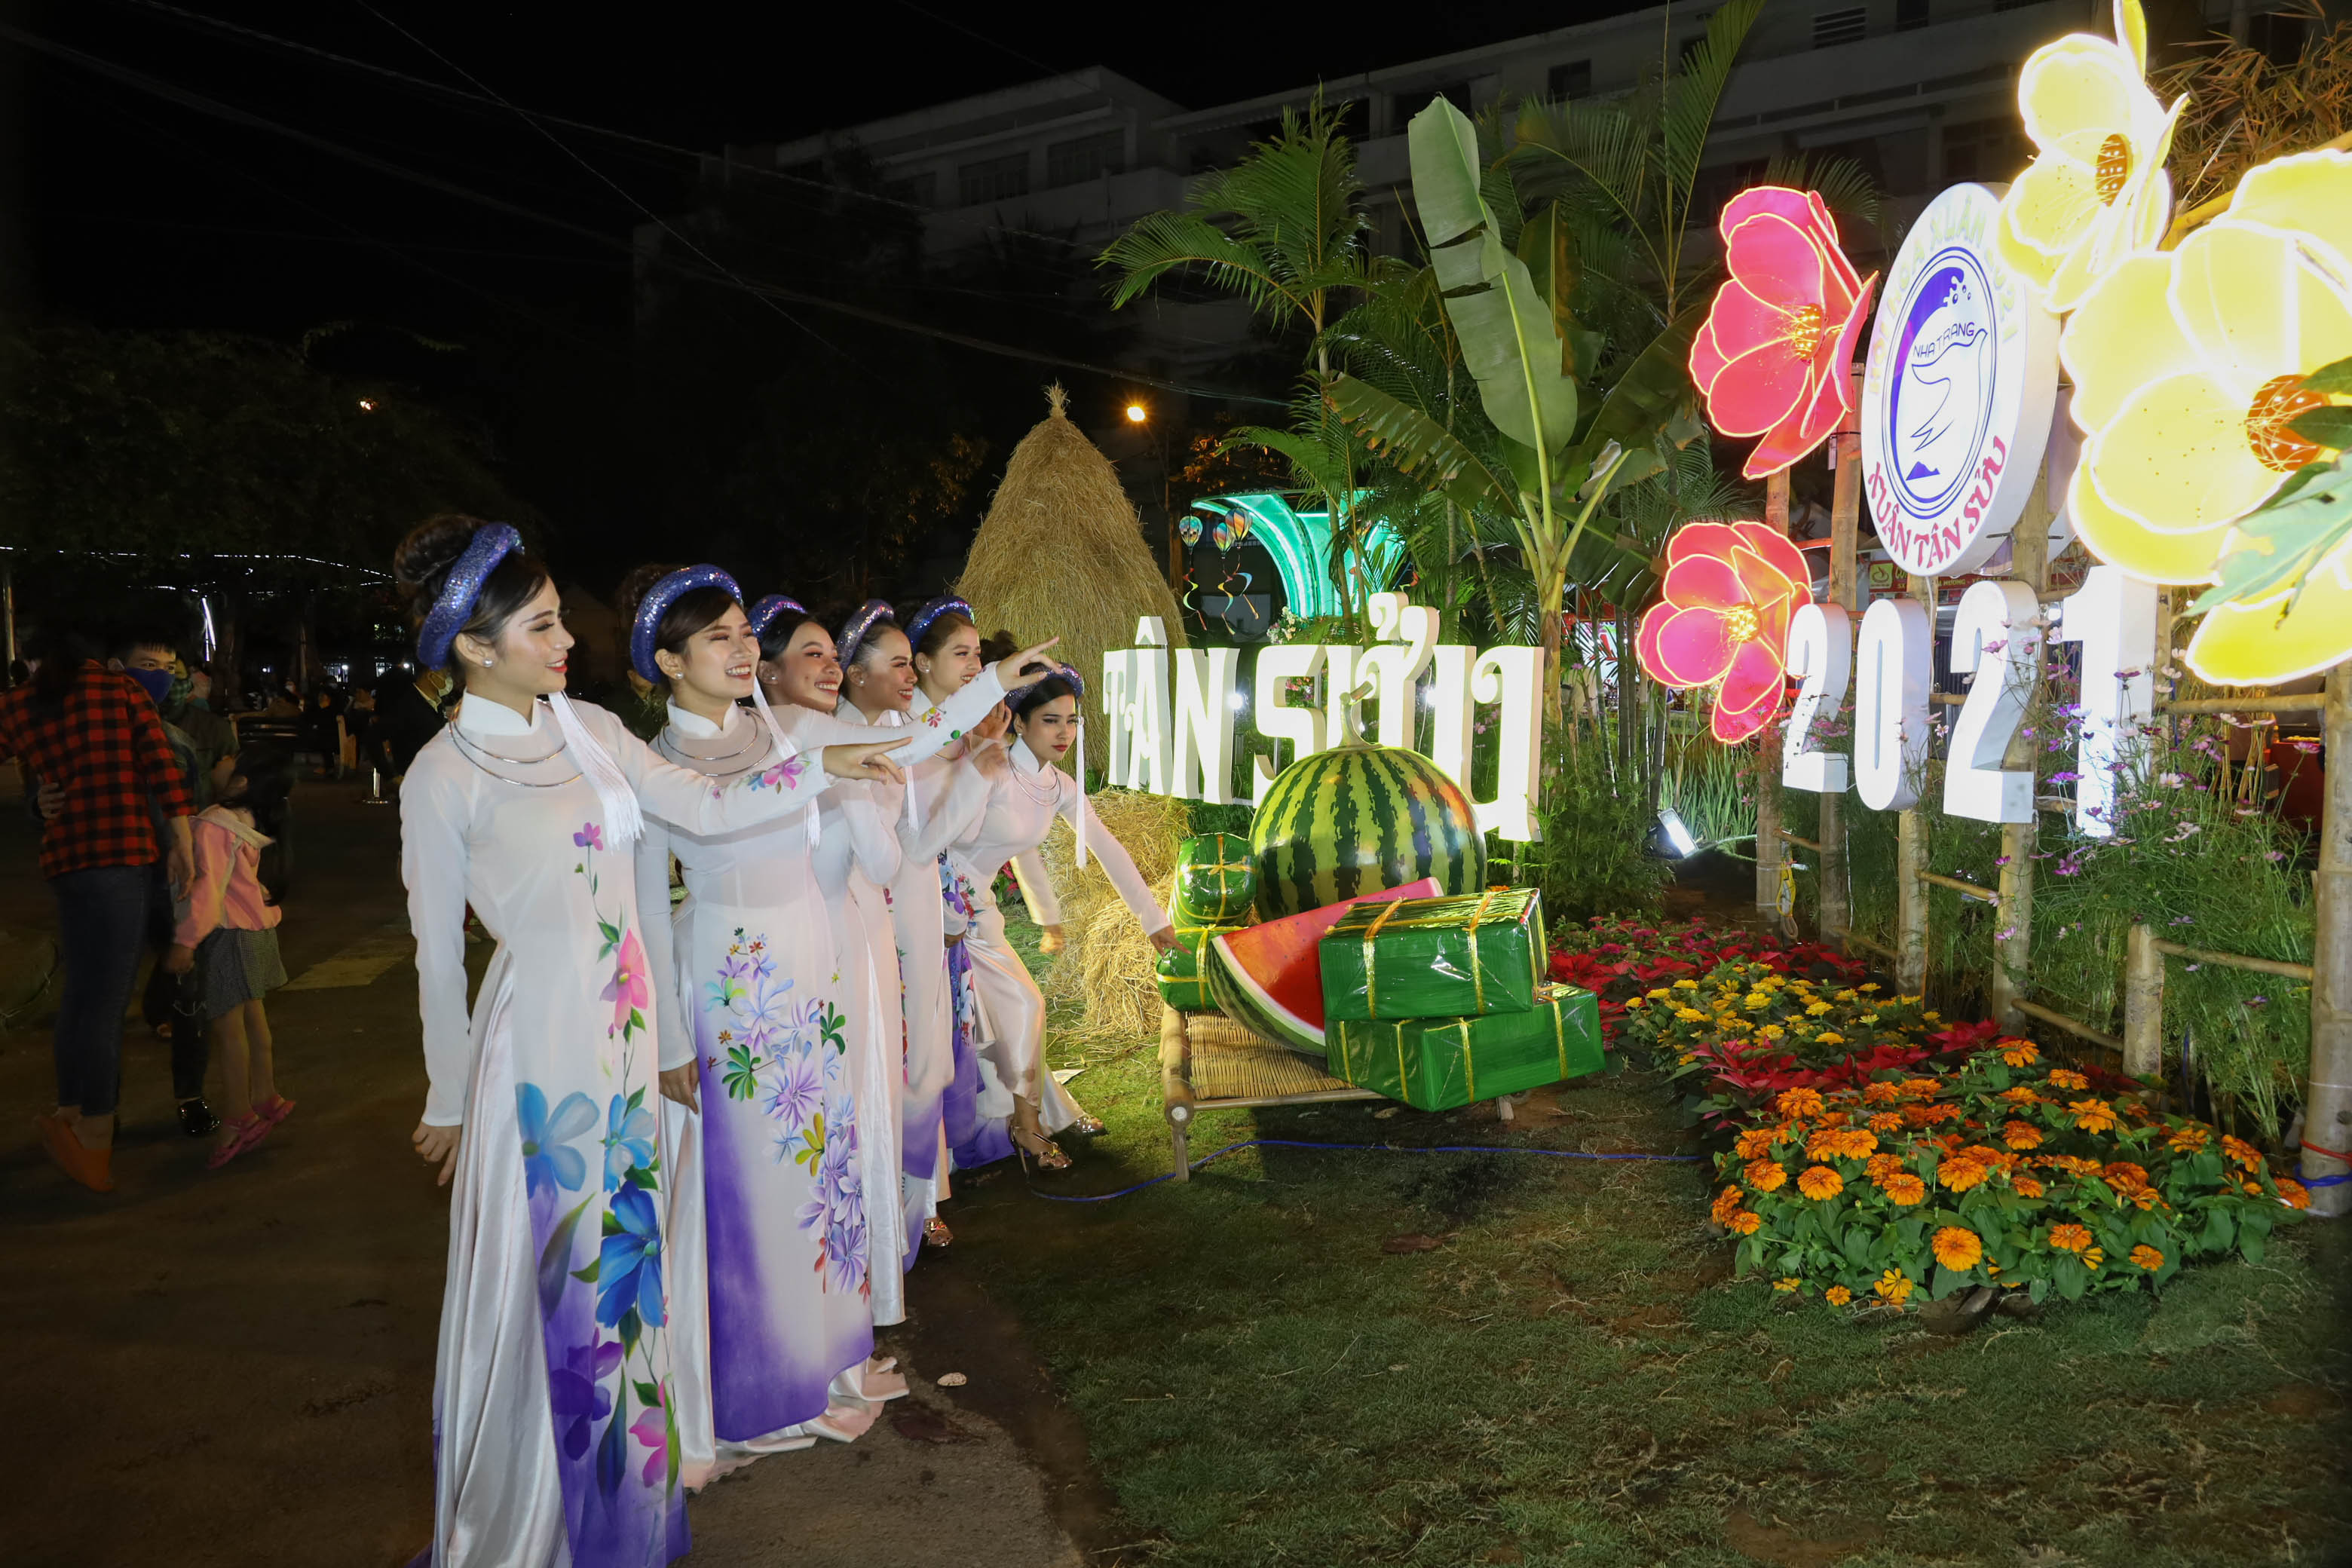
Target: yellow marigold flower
1687	1058
1772	1031
1846	996
2066	1077
1894	1287
2018	1053
1754	1000
2294	1194
1746	1222
1960	1173
1904	1188
2021	1134
1738	1026
2147	1258
1767	1175
1794	1103
2025	1186
1819	1183
1873	986
1933	1018
2241	1153
1788	1286
2092	1115
1827	1037
1755	1141
1815	1009
1870	1017
1957	1248
1690	1015
1837	1295
2070	1237
1686	984
1657	992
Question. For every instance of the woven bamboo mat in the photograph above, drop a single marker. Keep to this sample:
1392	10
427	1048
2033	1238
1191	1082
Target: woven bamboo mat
1229	1062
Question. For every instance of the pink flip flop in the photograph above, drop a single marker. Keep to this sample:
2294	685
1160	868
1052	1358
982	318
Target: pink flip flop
249	1131
278	1108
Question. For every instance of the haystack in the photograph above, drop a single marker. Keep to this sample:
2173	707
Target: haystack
1109	962
1061	554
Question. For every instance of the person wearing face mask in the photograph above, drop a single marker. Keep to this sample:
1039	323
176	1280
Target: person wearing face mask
553	1384
1020	812
95	734
892	890
784	1050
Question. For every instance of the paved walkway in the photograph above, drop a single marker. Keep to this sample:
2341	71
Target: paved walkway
235	1367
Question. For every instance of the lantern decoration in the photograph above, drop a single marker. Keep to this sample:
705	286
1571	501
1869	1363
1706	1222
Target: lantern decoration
2189	372
1239	525
1773	356
1221	535
2096	192
1188	529
1730	590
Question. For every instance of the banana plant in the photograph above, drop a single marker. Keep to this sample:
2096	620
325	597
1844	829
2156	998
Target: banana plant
1552	462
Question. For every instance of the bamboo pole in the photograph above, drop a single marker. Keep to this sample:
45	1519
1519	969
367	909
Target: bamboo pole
1833	910
1911	862
2143	1005
2029	546
1768	750
2328	1103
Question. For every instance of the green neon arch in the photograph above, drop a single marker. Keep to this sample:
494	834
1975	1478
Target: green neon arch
1300	543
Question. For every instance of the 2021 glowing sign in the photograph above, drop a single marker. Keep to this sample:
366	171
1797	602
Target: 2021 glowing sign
1174	712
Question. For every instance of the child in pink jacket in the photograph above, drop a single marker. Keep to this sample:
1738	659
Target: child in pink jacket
230	937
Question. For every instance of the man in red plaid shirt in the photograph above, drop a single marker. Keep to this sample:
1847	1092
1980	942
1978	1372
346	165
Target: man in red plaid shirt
95	734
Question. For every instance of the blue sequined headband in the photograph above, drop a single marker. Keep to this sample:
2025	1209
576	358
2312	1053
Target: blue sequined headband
656	604
1014	697
853	634
946	604
491	544
764	613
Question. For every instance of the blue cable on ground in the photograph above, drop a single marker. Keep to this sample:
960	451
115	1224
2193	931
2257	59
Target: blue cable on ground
1372	1148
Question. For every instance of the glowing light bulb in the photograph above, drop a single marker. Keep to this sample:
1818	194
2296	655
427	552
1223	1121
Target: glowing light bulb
1137	414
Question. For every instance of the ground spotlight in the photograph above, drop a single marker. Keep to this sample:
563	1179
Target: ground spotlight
1672	839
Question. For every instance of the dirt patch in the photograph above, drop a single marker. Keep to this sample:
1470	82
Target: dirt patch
955	1326
1761	1543
2303	1402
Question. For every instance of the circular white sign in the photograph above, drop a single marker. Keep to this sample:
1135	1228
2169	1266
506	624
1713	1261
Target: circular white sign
1957	391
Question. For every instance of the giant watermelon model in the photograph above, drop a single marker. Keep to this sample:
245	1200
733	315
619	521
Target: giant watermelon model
1269	978
1357	818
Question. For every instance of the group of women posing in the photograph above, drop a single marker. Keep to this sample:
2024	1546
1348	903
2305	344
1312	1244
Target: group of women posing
708	1139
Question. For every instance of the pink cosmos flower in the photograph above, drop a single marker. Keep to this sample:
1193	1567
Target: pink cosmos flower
631	988
1774	356
1730	590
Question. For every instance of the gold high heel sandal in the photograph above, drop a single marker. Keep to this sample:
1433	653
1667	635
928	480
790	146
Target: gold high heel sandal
1044	1149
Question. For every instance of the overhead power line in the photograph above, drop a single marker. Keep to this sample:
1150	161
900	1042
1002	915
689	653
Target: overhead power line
199	103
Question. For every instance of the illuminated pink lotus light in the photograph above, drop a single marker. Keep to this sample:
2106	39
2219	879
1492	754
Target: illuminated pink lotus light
1730	590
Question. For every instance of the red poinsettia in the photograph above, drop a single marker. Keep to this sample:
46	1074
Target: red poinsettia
1730	590
1775	355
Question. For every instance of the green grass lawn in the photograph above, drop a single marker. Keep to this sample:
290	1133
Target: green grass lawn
1571	1377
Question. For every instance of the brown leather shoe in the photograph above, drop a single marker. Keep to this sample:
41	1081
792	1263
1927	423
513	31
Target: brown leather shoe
93	1168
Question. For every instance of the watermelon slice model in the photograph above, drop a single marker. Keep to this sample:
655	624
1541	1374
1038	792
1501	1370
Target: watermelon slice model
1269	978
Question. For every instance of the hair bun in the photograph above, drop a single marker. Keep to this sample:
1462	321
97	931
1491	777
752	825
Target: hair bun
422	561
997	647
635	586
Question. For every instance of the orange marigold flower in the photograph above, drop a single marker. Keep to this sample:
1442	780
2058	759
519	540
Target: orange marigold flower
1894	1287
2095	1257
2252	1189
1787	1285
1961	1173
1837	1295
2021	1134
2293	1192
2025	1186
1726	1204
1819	1181
2066	1077
2147	1258
2070	1237
2092	1115
2242	1152
2123	1175
2016	1052
1746	1222
2189	1138
1886	1122
2021	1094
2145	1197
1919	1088
1903	1187
1767	1175
1879	1090
1949	1143
1755	1141
1957	1248
1882	1165
1796	1102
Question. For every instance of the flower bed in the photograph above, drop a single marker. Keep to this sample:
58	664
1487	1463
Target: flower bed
1620	960
2006	1172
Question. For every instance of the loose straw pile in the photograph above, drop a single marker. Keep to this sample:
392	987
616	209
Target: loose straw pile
1061	554
1109	965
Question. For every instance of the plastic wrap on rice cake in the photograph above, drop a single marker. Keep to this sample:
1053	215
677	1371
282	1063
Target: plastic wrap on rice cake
1453	957
1439	1064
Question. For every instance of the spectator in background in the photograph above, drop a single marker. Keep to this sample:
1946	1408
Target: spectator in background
407	714
209	739
92	733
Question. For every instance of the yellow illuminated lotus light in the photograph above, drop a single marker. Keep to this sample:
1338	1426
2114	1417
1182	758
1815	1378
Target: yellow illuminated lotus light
2187	368
2096	190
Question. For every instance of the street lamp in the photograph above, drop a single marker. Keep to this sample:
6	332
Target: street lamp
1137	414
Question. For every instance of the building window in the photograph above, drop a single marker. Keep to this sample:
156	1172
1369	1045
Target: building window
993	179
1573	79
1087	158
1984	150
1833	27
1910	14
